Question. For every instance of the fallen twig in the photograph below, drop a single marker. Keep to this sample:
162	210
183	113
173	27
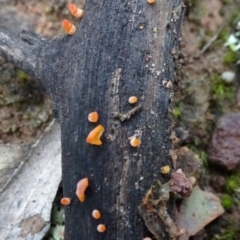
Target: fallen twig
126	116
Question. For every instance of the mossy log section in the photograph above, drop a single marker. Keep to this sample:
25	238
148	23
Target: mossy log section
121	48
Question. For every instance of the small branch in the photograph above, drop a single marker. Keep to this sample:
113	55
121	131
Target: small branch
19	54
126	116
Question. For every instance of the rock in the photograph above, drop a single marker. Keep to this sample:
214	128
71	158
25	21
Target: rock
225	145
197	211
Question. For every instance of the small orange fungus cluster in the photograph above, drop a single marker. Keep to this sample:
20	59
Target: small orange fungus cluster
135	142
96	214
101	228
132	99
151	1
68	27
81	188
93	117
76	12
65	201
165	169
95	135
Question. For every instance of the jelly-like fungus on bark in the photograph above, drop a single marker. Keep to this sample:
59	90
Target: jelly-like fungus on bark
65	201
94	136
135	142
81	188
132	99
101	228
96	214
93	117
151	1
68	27
76	12
165	169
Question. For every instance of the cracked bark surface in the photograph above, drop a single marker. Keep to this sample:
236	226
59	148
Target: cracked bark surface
120	49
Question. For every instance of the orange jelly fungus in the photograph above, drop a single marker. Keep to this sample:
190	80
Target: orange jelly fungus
65	201
81	188
94	136
151	1
101	228
164	170
132	99
76	12
93	117
135	142
96	214
68	27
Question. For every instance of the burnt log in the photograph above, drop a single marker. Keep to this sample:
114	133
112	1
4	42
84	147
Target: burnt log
120	49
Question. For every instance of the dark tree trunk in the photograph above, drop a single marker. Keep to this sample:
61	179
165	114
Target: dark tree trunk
121	48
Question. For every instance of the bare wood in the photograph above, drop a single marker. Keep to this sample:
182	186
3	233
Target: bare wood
120	49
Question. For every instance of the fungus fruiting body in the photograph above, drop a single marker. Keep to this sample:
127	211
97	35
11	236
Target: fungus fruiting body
76	12
96	214
94	136
132	99
151	1
135	142
165	169
81	188
101	228
65	201
68	27
93	117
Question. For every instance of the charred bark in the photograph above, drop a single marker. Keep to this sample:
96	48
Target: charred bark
121	48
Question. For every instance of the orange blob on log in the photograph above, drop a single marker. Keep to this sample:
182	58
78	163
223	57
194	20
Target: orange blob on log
132	100
65	201
94	136
96	214
81	188
93	117
101	228
76	12
135	142
68	27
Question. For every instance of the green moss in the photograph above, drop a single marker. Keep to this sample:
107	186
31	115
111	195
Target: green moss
235	17
229	234
177	113
232	182
201	154
21	75
223	94
230	58
224	34
225	2
227	202
195	3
